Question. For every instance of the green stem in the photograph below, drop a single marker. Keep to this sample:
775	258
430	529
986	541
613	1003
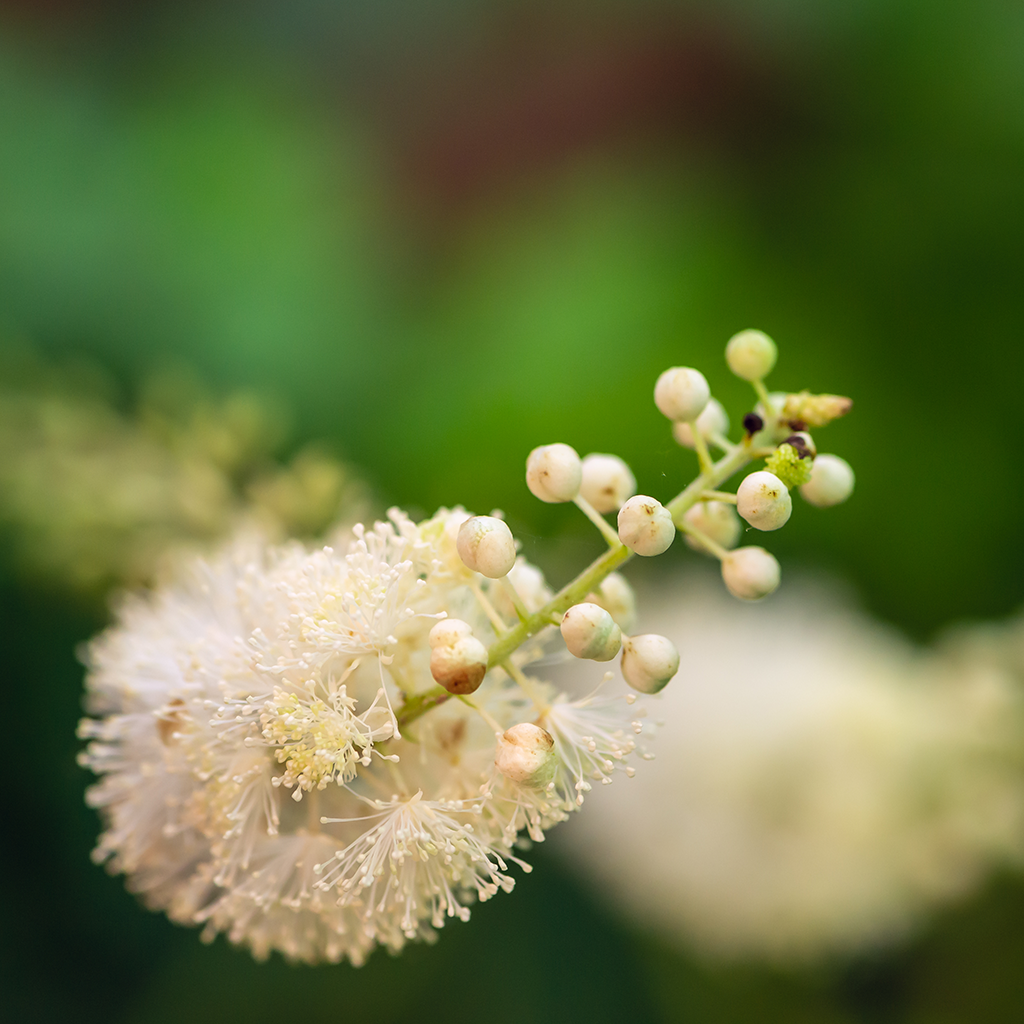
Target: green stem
489	610
703	539
589	580
771	414
598	520
701	447
522	612
420	704
526	684
720	472
569	595
484	714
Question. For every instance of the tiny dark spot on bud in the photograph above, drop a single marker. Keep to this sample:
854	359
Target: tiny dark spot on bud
752	423
797	425
797	442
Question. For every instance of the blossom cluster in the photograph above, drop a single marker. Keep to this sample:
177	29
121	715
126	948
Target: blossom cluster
96	496
258	776
321	751
821	783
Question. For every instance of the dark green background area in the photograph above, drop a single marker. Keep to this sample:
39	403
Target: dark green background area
440	236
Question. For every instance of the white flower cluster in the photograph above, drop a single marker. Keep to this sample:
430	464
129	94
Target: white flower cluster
264	771
820	784
329	677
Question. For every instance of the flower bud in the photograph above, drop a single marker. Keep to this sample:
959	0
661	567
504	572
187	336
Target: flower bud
459	667
815	410
681	393
590	632
616	597
486	546
649	661
526	755
751	355
716	520
607	482
446	632
763	500
714	420
750	573
790	464
645	525
554	472
831	482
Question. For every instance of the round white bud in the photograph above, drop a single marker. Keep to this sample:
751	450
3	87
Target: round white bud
831	482
607	482
763	500
446	632
526	755
681	393
750	573
751	354
459	667
649	661
616	597
714	420
590	632
554	472
486	546
645	525
715	519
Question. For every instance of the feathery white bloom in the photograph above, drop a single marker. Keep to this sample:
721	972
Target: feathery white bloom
819	783
254	778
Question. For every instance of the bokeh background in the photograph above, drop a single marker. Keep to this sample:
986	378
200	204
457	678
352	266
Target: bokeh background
438	234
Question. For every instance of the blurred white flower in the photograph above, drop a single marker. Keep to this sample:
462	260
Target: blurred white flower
277	672
818	785
96	497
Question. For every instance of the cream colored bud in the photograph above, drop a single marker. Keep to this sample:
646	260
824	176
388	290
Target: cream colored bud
459	667
607	482
526	755
715	519
617	598
649	661
486	546
751	354
763	500
554	472
645	525
590	632
750	573
712	422
831	482
681	393
446	632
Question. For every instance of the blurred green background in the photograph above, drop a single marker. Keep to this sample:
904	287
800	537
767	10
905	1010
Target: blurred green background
443	233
